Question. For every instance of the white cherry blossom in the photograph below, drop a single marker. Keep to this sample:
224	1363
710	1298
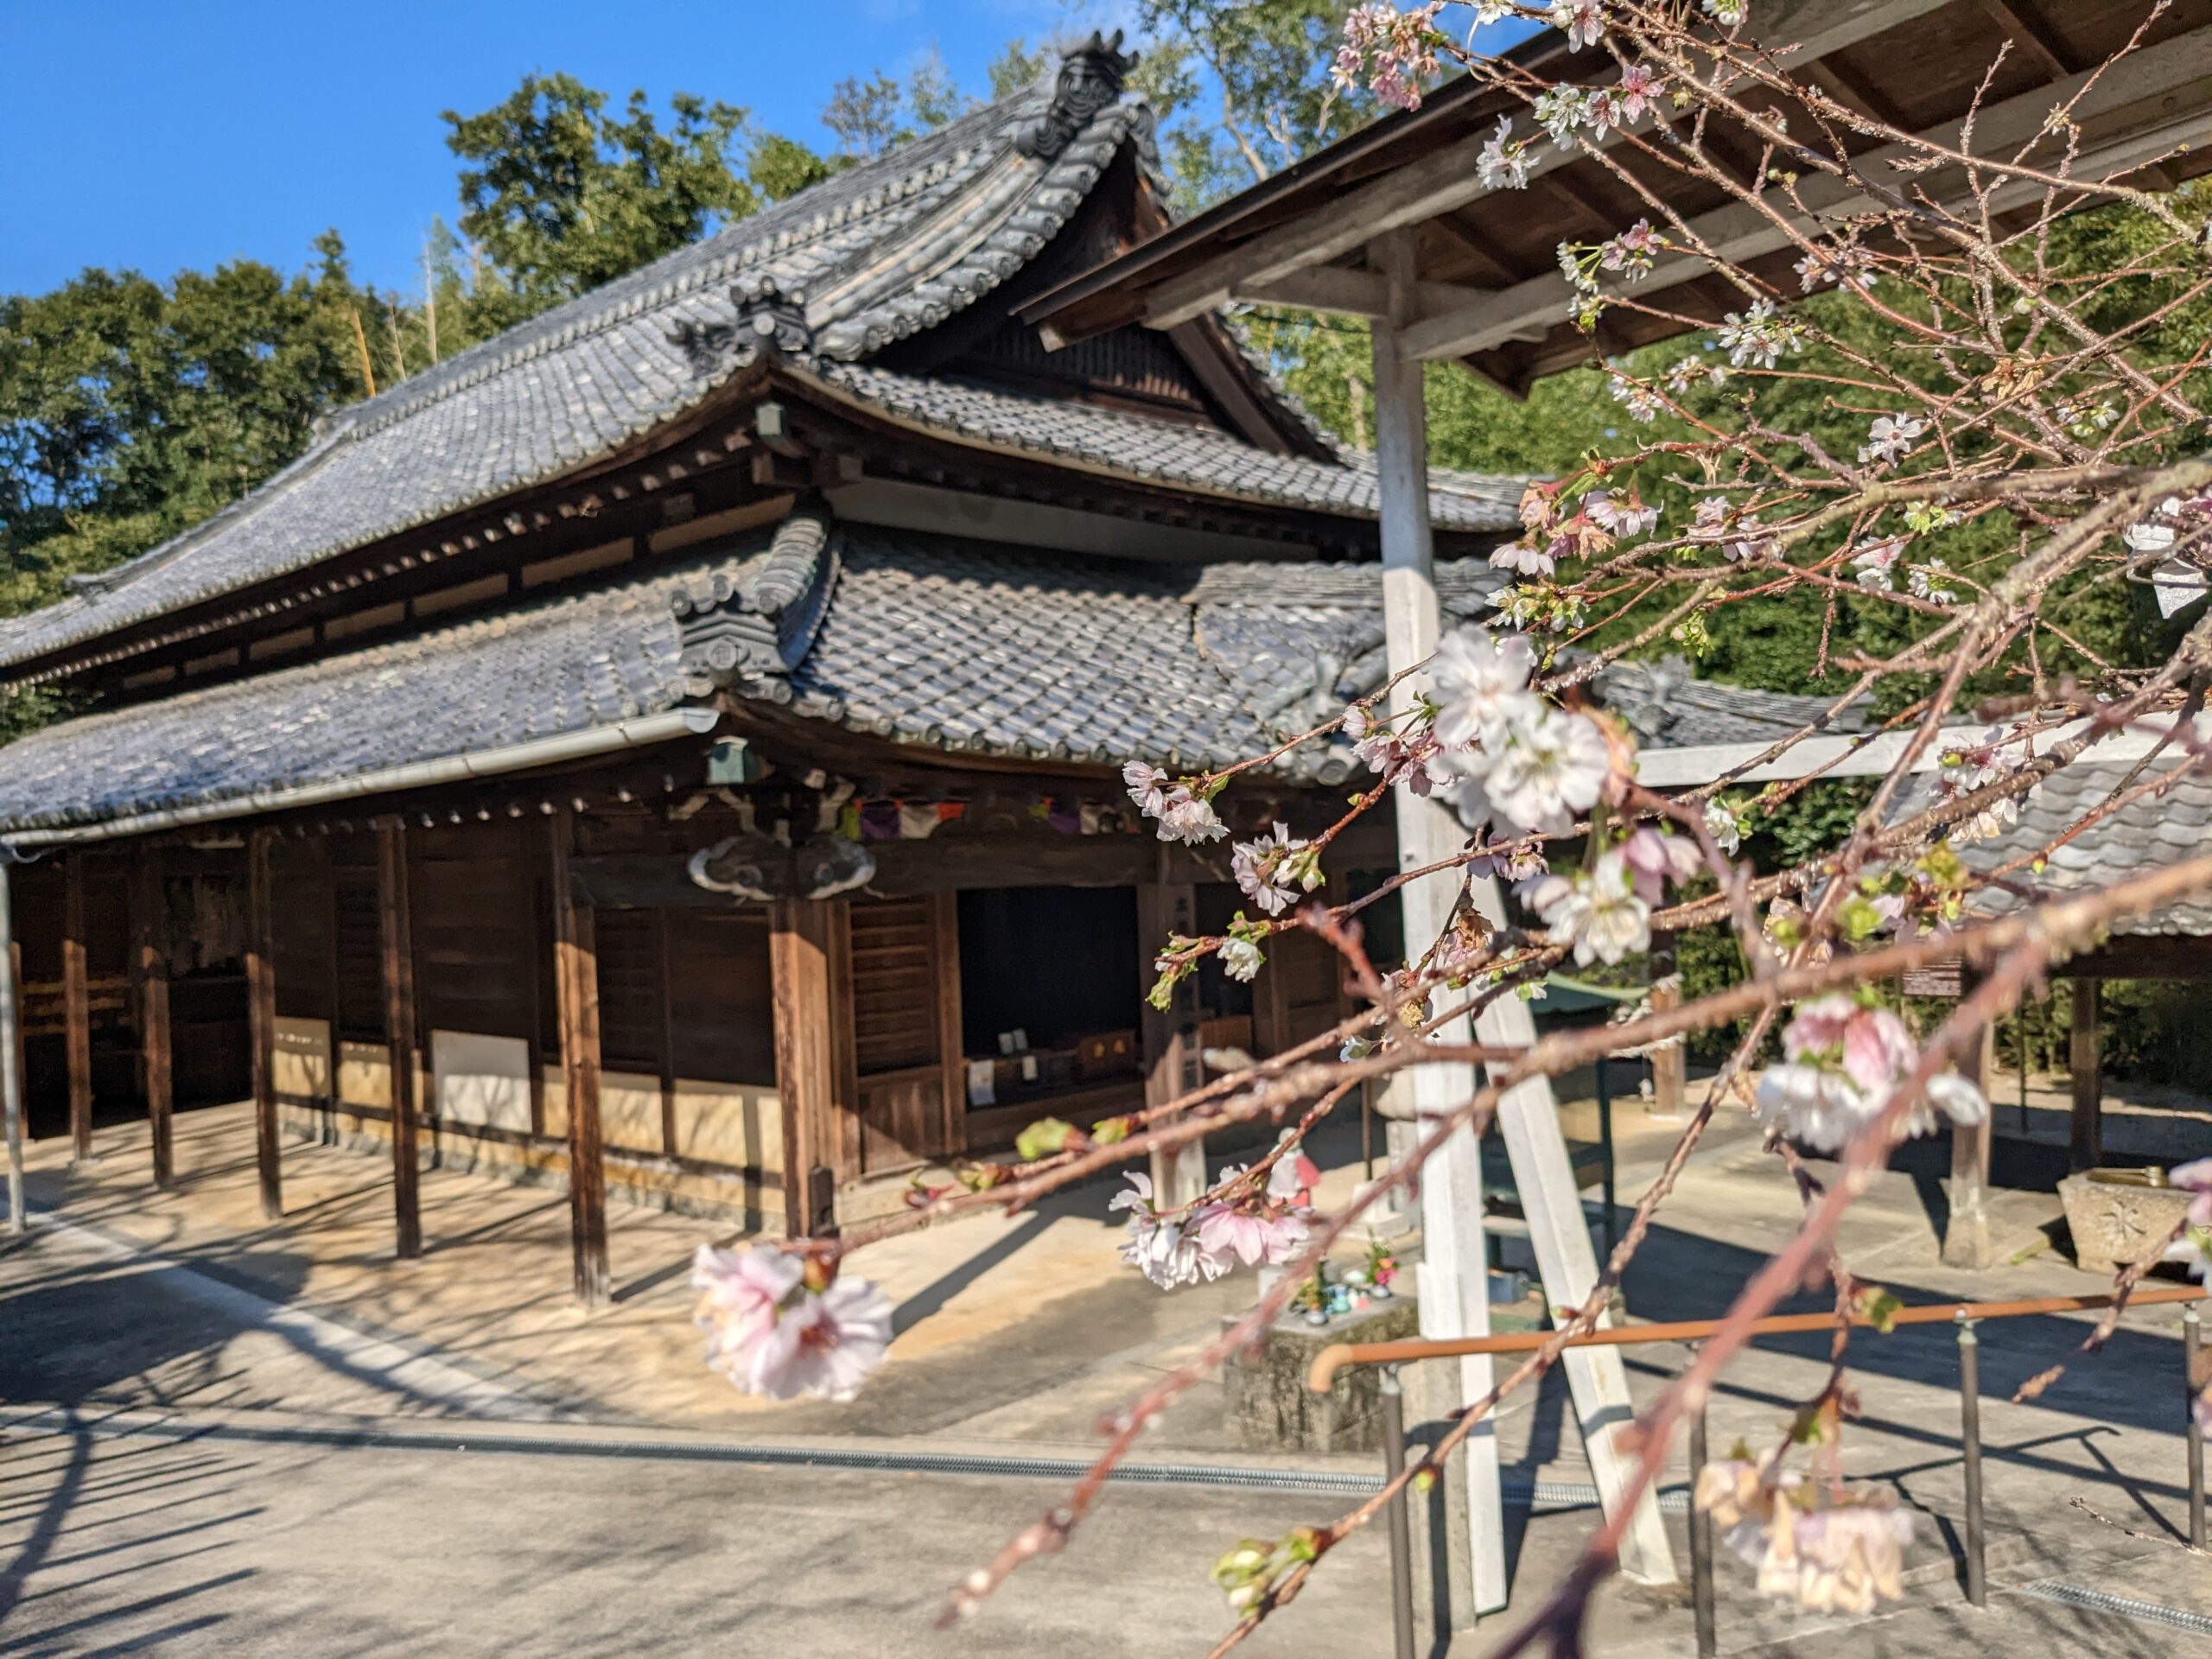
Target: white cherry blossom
1480	682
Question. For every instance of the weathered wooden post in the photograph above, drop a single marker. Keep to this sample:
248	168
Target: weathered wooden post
150	968
395	923
1173	1064
2087	1137
1454	1289
1966	1233
801	939
11	1048
260	1022
576	964
76	1007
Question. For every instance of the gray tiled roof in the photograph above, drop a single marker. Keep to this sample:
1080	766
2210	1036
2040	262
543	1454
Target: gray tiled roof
1197	458
930	640
934	641
863	259
1668	706
2141	837
546	670
875	253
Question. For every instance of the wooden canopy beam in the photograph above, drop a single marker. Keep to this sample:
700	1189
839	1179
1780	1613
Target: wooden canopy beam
1345	292
1450	178
2177	110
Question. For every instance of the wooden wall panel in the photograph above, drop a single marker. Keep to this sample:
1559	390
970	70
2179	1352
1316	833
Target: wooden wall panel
473	900
357	935
631	1003
721	996
306	935
900	969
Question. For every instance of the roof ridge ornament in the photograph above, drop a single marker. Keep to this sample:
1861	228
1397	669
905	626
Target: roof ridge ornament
1091	78
748	633
768	321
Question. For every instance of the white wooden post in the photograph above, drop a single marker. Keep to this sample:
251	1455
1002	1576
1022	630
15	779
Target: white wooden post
1527	1117
1454	1275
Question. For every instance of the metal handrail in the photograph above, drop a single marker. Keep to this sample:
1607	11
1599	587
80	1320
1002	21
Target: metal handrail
1322	1375
1323	1372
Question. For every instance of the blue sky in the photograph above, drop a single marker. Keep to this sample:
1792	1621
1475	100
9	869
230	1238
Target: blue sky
186	132
161	134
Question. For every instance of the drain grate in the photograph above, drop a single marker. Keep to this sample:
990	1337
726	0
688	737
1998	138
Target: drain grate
1545	1493
2144	1612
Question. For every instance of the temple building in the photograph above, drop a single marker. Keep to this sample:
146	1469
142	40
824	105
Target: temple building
674	746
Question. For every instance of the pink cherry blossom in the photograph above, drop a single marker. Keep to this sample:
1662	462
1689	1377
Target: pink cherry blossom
826	1345
740	1292
1481	679
1226	1231
1655	858
1159	1247
769	1334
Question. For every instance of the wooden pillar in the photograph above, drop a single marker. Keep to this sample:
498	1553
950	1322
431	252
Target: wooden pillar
1174	1064
11	1050
2087	1065
575	975
76	1007
150	966
1454	1288
1669	1064
395	923
1966	1228
261	1021
952	1064
801	962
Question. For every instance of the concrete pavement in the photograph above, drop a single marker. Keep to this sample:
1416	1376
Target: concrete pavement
229	1531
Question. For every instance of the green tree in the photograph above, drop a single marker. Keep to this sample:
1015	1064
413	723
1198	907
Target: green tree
561	196
1267	64
873	116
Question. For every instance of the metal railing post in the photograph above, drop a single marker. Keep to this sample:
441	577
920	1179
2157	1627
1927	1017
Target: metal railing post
1970	1443
1708	1628
1400	1526
2192	1377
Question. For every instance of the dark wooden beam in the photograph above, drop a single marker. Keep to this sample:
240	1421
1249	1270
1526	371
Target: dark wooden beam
260	1022
2087	1065
944	918
2143	955
76	1007
807	1070
397	921
2033	36
575	971
150	967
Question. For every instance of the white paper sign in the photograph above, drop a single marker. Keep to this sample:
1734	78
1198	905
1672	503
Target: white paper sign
980	1090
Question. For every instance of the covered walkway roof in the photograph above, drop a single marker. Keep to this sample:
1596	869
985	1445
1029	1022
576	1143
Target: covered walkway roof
1489	291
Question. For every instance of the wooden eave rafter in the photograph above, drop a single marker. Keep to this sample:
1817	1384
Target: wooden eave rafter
1301	238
